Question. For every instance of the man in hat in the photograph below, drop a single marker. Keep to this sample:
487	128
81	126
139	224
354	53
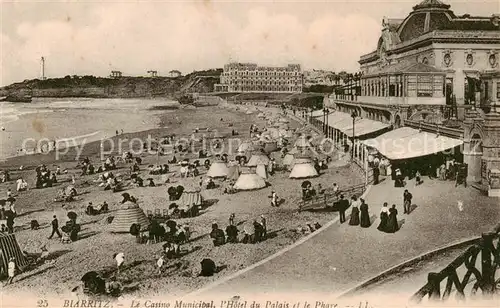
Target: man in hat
55	228
343	204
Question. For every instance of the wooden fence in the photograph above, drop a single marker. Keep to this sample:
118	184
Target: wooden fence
329	197
465	286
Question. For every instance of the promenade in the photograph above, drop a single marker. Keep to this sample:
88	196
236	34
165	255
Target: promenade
343	256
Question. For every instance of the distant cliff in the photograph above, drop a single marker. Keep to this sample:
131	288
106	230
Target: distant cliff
122	87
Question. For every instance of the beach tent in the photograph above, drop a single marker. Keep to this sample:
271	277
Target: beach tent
261	115
258	159
129	213
233	172
218	169
303	168
302	142
189	198
10	248
249	180
288	159
261	171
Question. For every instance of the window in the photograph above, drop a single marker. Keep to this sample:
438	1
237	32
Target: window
498	89
424	86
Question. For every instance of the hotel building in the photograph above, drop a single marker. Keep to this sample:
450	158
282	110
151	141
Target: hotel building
249	77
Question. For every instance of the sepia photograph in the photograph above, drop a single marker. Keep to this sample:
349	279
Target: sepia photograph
249	154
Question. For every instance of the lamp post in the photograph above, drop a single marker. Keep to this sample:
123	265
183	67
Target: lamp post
325	121
353	116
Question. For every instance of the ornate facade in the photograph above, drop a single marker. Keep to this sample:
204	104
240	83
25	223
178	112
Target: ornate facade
427	64
465	48
249	77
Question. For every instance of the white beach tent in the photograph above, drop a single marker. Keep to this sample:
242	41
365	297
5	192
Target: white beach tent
261	171
249	180
218	169
303	168
288	160
258	159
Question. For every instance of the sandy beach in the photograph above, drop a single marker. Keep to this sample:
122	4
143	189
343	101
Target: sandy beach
96	245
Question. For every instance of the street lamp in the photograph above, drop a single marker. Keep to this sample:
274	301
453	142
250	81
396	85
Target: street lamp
325	121
353	116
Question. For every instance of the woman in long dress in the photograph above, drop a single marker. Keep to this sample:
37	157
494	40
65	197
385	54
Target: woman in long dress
392	223
354	221
384	217
365	216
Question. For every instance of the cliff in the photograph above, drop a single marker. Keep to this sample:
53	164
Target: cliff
123	87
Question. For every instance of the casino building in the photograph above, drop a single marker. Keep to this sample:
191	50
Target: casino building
432	75
249	77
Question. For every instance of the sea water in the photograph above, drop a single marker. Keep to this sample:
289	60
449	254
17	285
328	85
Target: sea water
72	121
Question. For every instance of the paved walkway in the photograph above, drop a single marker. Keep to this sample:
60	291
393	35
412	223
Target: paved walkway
343	256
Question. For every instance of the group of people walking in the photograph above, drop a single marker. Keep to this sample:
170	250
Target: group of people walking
360	215
359	211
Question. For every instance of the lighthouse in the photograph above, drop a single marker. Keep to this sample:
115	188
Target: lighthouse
42	68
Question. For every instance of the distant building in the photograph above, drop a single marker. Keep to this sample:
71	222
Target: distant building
174	73
153	73
249	77
322	77
116	74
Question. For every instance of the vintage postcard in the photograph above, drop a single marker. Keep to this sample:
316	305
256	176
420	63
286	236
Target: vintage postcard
249	154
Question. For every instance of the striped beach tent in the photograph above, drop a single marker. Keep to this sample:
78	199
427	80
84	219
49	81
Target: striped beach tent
10	248
189	198
130	213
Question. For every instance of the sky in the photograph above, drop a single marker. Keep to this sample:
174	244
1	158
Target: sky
94	37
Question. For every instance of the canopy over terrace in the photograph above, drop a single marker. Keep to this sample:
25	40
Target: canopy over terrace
343	122
405	143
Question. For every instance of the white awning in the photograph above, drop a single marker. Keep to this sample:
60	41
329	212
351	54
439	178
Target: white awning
364	127
404	143
343	122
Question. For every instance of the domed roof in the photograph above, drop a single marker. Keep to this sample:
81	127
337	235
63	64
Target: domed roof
431	4
427	16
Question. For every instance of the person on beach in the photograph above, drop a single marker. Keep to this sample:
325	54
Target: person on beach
392	222
10	221
407	196
365	215
11	270
354	221
217	235
55	228
384	217
263	222
159	263
274	199
335	189
120	259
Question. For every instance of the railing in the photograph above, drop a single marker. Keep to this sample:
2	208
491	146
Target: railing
484	275
329	197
